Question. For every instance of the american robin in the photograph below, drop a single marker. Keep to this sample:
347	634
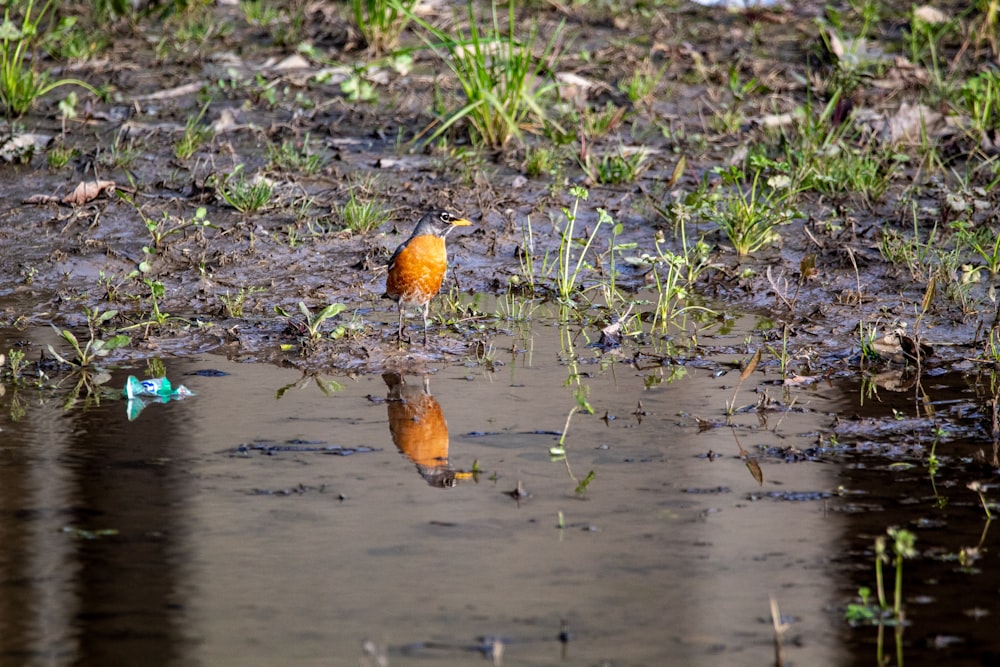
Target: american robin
419	430
417	268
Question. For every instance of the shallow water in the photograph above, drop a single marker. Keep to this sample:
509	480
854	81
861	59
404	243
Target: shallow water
263	521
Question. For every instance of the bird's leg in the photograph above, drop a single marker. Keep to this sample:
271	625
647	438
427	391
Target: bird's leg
399	332
427	311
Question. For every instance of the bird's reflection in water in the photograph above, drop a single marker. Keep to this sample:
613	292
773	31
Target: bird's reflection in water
419	430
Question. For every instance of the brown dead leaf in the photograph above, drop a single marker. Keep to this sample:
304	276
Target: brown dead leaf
751	366
807	268
755	470
678	171
88	191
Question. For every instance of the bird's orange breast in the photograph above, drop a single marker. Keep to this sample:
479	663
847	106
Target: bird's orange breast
417	271
418	428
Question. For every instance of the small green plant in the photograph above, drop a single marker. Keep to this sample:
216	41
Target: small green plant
122	152
749	215
924	38
867	611
362	216
499	73
310	325
640	85
13	366
59	156
530	272
20	83
381	22
191	33
571	263
85	354
260	12
293	157
161	229
233	304
984	242
514	307
865	173
282	21
246	195
540	161
156	292
617	168
357	87
73	40
599	123
194	136
862	613
916	255
980	98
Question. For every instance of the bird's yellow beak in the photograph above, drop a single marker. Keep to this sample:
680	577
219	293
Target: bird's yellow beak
460	222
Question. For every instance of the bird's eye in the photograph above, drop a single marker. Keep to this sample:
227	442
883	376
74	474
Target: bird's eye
445	216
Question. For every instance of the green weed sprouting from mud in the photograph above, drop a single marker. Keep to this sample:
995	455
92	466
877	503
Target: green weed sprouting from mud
284	22
13	365
361	216
541	161
674	274
260	12
246	195
499	73
71	39
233	304
609	286
294	158
983	241
515	307
191	31
194	136
166	226
640	85
980	98
924	40
381	22
571	262
820	156
863	172
156	293
597	123
95	347
122	152
58	156
749	214
615	168
910	251
311	322
20	83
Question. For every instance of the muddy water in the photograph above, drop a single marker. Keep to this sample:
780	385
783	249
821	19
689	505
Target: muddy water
265	522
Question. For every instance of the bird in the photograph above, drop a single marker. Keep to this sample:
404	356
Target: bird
417	268
419	430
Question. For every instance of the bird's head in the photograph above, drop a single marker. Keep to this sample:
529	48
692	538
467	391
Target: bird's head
439	223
